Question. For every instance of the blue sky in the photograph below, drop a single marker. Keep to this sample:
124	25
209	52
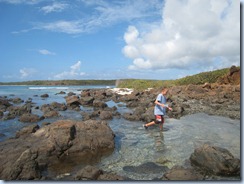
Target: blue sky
116	39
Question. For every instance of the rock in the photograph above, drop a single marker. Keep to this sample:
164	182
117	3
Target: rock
19	110
29	118
131	116
87	100
88	173
106	115
24	167
99	104
72	100
27	130
63	141
17	100
44	95
92	173
71	94
215	160
1	113
58	106
51	113
61	93
180	173
110	177
5	102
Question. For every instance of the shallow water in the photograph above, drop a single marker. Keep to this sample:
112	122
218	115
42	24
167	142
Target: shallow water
136	146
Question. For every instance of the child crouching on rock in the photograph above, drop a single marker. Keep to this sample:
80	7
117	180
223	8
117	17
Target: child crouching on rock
159	109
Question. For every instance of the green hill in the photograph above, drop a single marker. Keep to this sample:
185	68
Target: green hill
201	78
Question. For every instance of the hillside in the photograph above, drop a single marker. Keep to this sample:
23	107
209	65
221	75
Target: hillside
222	76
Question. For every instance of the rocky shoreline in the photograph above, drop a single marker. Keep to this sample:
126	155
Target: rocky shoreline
35	150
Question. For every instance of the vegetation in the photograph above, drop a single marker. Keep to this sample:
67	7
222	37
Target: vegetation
62	82
198	79
201	78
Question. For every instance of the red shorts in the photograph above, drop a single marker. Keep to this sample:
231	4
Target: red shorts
159	119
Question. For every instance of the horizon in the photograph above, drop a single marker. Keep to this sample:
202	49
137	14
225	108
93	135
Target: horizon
117	40
116	79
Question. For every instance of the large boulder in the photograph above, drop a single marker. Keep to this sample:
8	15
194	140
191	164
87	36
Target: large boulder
77	142
216	160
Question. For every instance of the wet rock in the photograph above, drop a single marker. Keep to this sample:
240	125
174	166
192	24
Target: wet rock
148	116
71	94
58	106
61	93
45	96
16	100
93	173
72	100
27	130
29	118
26	167
131	116
215	160
51	113
111	177
4	102
106	115
146	168
180	173
99	104
88	173
87	101
19	110
1	113
86	116
61	142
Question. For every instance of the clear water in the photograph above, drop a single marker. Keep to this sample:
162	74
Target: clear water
135	145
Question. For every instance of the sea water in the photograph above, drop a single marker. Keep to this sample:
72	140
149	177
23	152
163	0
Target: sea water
134	145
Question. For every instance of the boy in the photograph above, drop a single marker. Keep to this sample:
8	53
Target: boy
159	110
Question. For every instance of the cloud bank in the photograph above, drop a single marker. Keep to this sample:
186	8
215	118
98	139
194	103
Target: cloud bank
192	33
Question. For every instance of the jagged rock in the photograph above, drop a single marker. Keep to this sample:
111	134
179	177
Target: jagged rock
106	115
26	157
215	160
51	113
72	100
29	118
27	130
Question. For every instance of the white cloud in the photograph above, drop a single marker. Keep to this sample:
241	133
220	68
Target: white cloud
192	33
99	14
21	1
69	27
26	72
73	73
55	7
46	52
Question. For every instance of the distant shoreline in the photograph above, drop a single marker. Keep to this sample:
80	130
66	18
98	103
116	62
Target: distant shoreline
61	83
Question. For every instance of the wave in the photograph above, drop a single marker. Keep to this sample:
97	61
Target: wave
41	88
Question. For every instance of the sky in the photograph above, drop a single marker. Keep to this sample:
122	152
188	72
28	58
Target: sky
116	39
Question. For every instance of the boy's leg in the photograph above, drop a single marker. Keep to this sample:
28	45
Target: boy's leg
162	123
149	124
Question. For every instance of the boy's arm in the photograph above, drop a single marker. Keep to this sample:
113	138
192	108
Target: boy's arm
163	105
